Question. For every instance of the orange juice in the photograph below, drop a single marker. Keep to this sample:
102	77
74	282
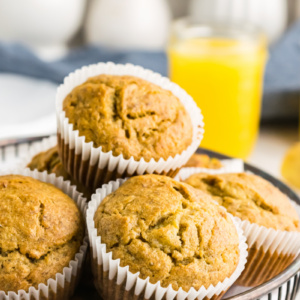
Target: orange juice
224	76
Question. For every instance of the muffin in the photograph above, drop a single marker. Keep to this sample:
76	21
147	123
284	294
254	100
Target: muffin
130	116
168	232
116	121
262	207
41	231
49	161
203	161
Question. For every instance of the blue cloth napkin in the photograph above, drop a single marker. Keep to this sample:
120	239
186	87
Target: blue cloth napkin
16	58
282	76
283	68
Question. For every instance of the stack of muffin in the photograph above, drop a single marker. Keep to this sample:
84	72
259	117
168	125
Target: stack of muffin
151	236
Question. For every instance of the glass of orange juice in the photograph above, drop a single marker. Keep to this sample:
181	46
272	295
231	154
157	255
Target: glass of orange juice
222	68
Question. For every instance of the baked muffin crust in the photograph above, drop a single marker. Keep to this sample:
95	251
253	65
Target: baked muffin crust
203	161
249	197
168	231
41	230
130	116
49	161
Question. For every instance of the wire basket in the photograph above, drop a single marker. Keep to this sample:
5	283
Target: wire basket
285	286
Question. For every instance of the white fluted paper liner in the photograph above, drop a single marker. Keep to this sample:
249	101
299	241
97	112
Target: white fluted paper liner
283	242
64	283
270	252
132	281
96	156
36	148
234	165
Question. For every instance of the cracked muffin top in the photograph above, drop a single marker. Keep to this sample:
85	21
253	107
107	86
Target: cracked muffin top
249	197
129	116
41	230
49	161
203	161
168	231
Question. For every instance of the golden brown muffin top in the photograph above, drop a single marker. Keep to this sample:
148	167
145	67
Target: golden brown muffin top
49	161
129	116
168	231
41	230
249	197
203	161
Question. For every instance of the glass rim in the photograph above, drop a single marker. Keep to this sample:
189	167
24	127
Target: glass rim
184	28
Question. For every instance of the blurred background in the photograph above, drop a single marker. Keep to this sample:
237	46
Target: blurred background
239	59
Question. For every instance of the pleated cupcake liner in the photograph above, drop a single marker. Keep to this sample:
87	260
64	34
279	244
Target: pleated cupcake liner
91	166
42	146
115	282
63	285
36	148
270	250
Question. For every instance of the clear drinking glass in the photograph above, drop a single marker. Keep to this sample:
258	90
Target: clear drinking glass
221	67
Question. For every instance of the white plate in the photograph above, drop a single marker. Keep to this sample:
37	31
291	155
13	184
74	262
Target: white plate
27	106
